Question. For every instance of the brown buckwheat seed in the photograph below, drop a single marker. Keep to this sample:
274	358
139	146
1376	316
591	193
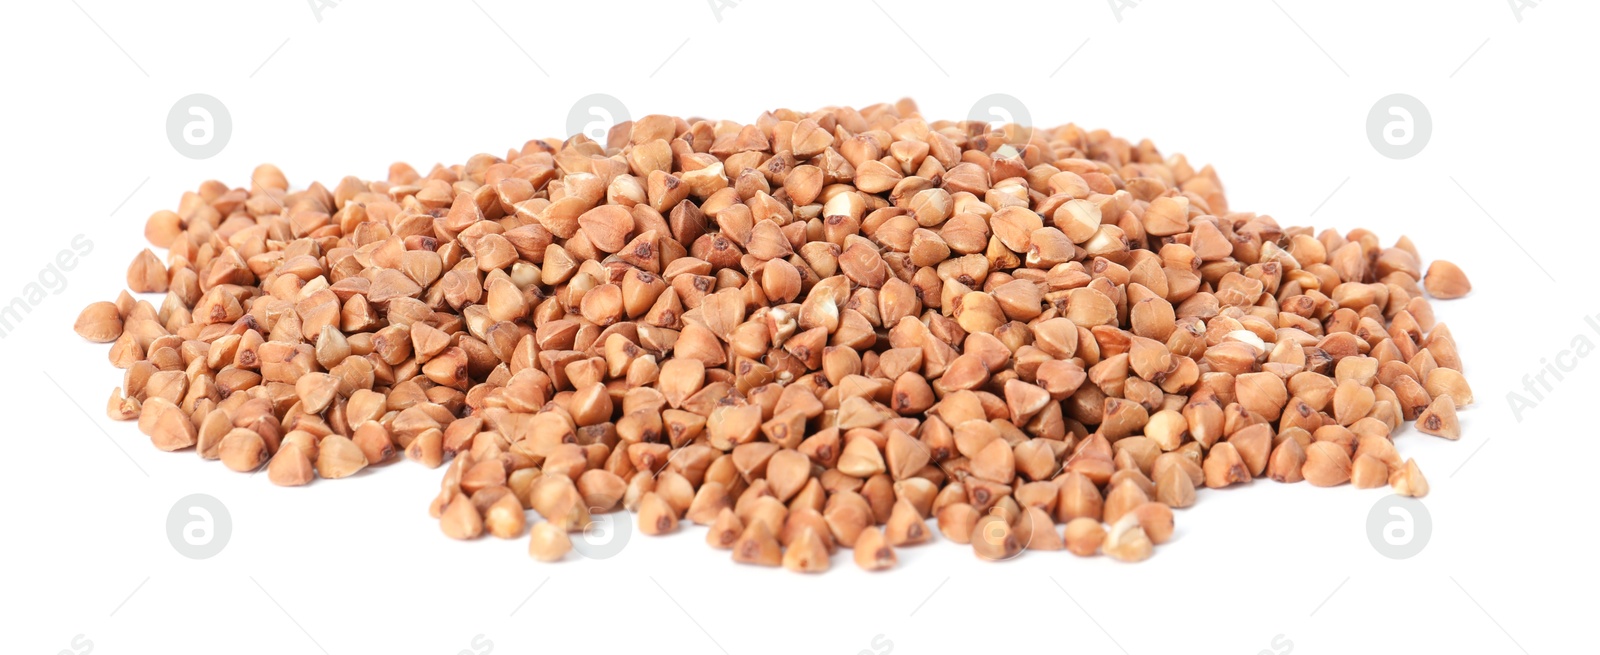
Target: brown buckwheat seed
813	331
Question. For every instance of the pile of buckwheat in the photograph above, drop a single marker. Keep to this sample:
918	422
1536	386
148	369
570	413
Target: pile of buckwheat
808	333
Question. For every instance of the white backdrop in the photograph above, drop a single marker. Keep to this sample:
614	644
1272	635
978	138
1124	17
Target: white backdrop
1275	93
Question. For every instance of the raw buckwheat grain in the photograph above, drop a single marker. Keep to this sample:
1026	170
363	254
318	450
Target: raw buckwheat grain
810	332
